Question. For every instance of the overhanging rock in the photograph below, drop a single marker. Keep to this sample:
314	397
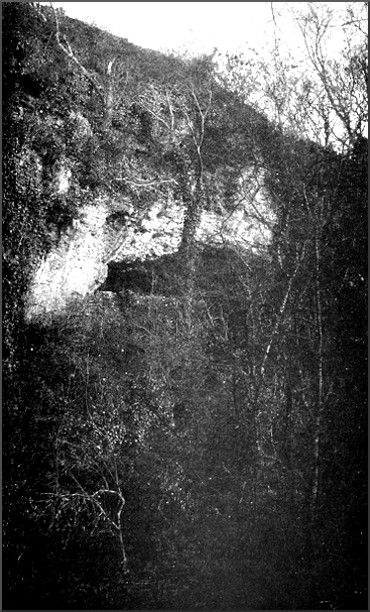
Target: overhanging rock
79	264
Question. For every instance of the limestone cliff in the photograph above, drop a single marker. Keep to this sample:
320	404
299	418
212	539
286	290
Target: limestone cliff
110	231
131	154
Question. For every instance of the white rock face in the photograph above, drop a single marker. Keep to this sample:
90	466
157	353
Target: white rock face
73	268
158	233
78	265
242	227
82	127
249	225
62	178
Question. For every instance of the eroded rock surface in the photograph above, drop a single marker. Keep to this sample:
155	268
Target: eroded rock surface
107	232
72	268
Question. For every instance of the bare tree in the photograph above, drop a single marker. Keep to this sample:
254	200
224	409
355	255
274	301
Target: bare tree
341	82
321	95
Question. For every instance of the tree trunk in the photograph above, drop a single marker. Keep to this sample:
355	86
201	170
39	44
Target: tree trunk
320	380
109	98
188	247
124	559
287	425
287	448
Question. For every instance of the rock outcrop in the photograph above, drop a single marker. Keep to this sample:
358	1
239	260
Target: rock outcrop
113	231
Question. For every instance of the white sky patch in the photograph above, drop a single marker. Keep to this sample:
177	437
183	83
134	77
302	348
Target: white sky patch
198	27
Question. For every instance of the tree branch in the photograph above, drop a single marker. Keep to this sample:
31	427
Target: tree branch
67	50
282	310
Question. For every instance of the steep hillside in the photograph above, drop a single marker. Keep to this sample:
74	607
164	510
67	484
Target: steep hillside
184	302
139	137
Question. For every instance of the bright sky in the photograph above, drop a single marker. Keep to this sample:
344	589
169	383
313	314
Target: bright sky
195	26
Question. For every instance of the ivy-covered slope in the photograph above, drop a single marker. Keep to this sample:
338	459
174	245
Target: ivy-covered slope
96	121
